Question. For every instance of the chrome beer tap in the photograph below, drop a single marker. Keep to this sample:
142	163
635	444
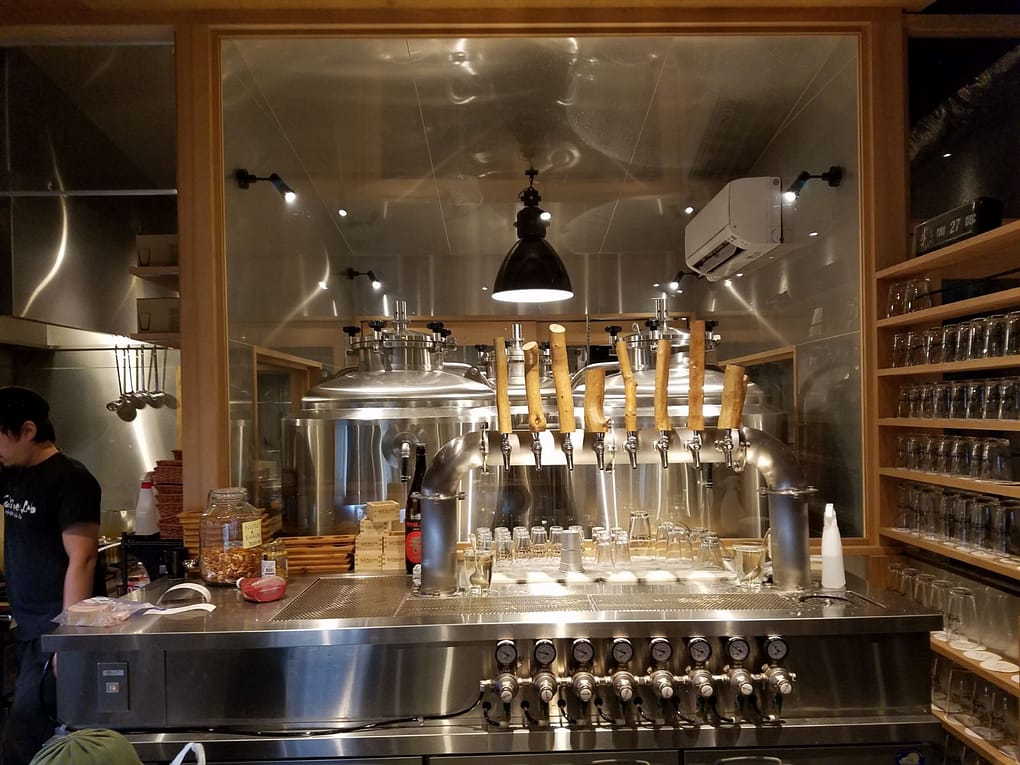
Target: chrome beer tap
696	394
504	422
483	446
734	390
533	393
564	393
594	417
662	422
630	403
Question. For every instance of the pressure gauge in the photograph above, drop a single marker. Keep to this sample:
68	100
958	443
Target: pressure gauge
660	649
738	649
544	652
700	650
506	652
776	648
582	650
623	651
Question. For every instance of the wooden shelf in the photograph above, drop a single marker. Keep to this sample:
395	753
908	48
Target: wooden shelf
984	254
971	365
165	276
954	482
917	422
983	304
1010	570
1001	680
987	750
171	339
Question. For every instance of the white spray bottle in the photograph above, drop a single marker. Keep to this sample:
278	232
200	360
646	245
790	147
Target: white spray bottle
833	574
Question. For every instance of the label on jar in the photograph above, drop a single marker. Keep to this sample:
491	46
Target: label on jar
251	533
268	567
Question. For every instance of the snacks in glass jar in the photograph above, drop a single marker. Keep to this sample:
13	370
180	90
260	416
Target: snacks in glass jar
226	566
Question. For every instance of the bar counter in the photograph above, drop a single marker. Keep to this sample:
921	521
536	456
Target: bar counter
358	666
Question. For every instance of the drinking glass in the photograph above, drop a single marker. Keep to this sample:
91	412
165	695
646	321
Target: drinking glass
962	619
894	298
678	547
603	551
940	667
960	695
478	563
892	579
922	589
995	331
555	540
749	564
958	400
943	398
991	399
938	598
1011	334
903	401
907	576
984	703
995	460
931	345
975	400
901	349
503	546
640	526
522	543
918	294
978	328
710	555
539	541
1009	391
621	549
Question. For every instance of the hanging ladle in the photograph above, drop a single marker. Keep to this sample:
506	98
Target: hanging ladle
155	395
114	405
126	409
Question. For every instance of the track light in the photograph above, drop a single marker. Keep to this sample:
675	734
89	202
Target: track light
675	282
531	272
833	176
351	274
245	179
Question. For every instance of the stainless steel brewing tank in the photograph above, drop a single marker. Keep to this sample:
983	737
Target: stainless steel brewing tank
344	448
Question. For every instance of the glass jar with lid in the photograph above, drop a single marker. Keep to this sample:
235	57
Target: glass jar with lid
230	537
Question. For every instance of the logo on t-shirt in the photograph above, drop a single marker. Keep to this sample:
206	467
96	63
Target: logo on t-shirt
16	509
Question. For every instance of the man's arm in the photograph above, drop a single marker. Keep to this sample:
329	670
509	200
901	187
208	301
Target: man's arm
81	543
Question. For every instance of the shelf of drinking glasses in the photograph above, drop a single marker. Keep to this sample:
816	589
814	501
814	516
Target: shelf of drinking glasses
973	741
988	563
1001	680
971	365
994	301
955	482
985	254
957	424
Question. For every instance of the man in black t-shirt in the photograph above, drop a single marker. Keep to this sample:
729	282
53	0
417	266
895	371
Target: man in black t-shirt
51	530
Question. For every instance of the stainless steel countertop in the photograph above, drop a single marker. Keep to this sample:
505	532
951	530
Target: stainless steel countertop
351	609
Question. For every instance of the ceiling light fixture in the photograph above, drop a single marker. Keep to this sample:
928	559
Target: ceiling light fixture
245	179
675	283
688	209
833	176
351	274
531	272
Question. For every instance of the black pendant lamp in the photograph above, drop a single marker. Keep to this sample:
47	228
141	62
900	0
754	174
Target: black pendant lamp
531	272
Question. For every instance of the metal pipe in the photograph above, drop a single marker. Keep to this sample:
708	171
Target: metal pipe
778	466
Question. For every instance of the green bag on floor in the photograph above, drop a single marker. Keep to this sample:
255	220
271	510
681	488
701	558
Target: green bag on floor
92	746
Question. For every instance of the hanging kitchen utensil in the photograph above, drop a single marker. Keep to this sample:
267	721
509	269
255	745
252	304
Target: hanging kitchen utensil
113	406
154	394
126	410
169	399
138	397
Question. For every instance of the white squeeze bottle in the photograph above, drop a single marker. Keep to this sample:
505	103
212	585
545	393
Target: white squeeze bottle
145	511
833	575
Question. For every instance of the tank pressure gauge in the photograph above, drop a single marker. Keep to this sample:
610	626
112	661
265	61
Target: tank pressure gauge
776	648
582	650
660	650
700	650
544	652
623	651
738	649
506	653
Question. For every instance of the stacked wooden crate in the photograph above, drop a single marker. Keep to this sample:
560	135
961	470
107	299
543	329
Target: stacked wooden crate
380	541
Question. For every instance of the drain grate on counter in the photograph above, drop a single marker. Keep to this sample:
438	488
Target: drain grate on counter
494	604
347	598
723	601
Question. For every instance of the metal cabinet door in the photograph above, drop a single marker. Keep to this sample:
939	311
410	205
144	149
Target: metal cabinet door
634	757
885	754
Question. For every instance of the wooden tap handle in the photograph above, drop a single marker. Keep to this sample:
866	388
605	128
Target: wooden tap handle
502	386
594	398
662	385
629	387
533	388
696	395
734	385
561	376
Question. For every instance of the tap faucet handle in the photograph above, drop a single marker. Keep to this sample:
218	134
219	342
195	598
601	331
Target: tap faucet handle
594	414
696	394
564	393
502	369
662	352
533	392
629	388
734	392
